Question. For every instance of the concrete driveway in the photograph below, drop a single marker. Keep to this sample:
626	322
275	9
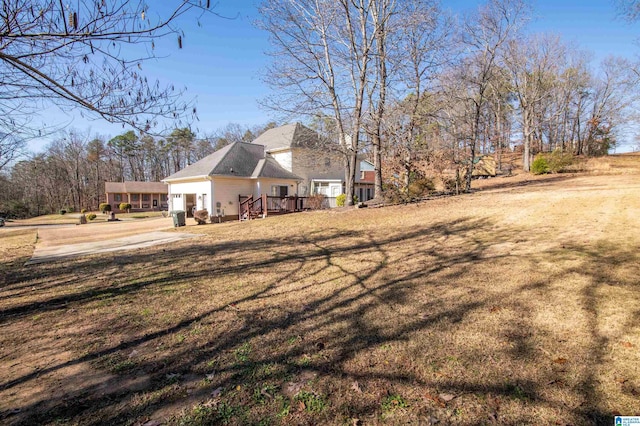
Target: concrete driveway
64	242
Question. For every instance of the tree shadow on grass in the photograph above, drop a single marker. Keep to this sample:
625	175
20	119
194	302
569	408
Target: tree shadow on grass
247	323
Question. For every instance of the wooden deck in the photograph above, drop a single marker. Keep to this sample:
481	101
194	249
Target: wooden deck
251	207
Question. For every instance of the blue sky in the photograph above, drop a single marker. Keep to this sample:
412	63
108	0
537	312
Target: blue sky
222	60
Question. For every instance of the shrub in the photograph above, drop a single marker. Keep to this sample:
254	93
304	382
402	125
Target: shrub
125	206
63	211
91	216
420	187
316	201
201	216
559	161
104	207
392	194
342	199
540	165
70	209
83	211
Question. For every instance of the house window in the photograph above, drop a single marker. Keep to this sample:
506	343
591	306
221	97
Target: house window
145	197
135	197
321	188
117	198
163	197
279	190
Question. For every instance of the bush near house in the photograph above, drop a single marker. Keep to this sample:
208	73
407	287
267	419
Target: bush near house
63	211
316	201
201	216
104	207
342	199
91	216
125	207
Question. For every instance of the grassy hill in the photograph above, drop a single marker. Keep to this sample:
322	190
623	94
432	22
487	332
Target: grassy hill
516	304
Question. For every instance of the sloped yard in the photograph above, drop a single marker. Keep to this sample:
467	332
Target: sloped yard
518	304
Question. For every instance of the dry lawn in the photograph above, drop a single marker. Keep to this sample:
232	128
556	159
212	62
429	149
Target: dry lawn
518	304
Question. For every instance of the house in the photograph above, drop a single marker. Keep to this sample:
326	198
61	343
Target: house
143	196
317	161
216	182
365	180
270	174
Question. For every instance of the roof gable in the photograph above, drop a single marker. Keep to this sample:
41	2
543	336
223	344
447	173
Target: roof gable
236	159
289	136
268	167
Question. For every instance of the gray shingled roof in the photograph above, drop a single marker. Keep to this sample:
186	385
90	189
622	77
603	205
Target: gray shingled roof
269	168
133	187
237	159
289	135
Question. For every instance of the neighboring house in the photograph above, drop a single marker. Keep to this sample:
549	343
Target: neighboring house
143	196
316	160
365	181
216	182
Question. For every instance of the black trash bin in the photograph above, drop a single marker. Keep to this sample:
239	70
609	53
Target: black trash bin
179	218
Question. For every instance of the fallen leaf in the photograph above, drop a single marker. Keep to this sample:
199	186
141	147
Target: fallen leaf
495	309
301	406
210	376
216	393
446	397
356	387
621	380
560	360
434	399
627	344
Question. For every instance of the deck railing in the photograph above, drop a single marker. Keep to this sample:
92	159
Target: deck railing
251	207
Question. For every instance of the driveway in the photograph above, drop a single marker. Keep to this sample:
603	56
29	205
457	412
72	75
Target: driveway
64	242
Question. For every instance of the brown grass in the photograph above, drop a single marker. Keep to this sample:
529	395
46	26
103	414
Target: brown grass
517	304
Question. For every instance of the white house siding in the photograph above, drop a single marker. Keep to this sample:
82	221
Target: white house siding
284	159
263	186
226	192
201	188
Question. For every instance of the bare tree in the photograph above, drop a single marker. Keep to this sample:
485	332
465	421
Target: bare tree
485	35
322	51
533	64
79	55
423	45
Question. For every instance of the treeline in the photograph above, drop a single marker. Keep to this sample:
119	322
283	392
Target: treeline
71	171
418	88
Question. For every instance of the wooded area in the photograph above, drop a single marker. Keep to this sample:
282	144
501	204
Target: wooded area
406	83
